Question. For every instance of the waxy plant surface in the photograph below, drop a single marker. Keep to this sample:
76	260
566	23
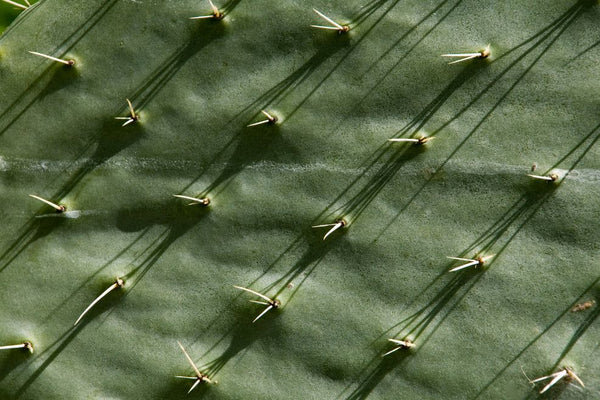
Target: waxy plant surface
482	332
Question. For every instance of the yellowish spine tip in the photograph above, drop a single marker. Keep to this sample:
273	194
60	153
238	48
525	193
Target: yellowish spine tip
28	346
485	53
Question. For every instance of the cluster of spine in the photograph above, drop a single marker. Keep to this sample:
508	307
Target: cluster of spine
478	260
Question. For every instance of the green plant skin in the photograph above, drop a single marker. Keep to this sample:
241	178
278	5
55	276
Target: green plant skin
196	85
8	13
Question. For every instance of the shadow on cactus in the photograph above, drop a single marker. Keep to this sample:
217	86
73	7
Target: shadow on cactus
53	78
357	203
592	300
50	354
110	141
558	26
11	360
315	251
538	193
371	8
177	219
417	323
591	292
35	229
242	336
43	83
374	373
55	349
407	35
328	46
201	36
62	77
337	96
383	175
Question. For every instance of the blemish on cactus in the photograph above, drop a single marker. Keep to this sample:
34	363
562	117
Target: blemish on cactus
583	306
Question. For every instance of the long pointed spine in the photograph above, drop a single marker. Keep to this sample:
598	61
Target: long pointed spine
463	266
263	313
118	283
254	292
13	3
557	378
60	60
326	18
24	345
57	207
333	229
198	380
190	361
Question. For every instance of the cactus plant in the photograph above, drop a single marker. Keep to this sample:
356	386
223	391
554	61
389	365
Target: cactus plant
392	211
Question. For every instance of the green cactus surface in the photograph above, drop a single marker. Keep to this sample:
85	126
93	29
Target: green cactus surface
400	209
9	12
